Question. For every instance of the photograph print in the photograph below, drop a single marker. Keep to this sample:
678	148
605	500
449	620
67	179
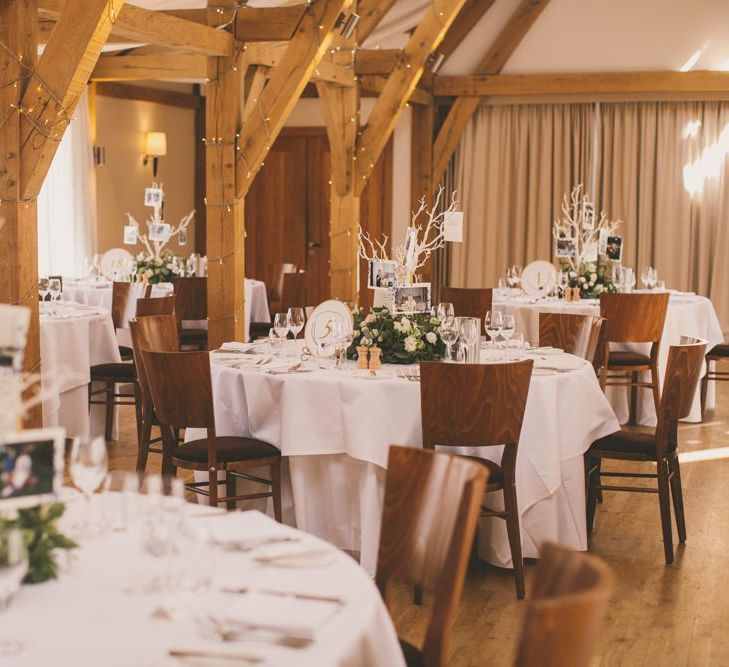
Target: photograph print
412	299
565	248
614	249
381	274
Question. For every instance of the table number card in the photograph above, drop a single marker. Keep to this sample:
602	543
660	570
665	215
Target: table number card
159	231
453	226
130	235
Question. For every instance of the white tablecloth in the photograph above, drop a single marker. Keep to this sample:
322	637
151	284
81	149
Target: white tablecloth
87	618
336	428
69	347
256	303
686	316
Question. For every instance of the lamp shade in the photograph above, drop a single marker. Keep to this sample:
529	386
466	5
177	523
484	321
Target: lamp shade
155	144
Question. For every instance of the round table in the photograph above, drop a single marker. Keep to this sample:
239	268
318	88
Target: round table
335	428
71	342
687	315
88	617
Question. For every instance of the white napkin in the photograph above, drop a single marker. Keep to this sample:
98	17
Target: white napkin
242	530
235	345
560	362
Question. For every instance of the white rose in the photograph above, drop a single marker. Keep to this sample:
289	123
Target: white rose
365	341
593	277
573	274
405	324
370	318
411	344
582	280
355	333
431	337
397	326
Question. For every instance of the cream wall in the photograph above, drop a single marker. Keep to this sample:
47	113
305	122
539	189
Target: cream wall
121	126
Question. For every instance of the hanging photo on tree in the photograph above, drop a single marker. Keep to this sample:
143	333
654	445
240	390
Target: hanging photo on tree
159	231
182	237
153	197
130	235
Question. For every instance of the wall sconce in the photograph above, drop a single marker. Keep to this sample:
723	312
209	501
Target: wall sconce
155	146
347	25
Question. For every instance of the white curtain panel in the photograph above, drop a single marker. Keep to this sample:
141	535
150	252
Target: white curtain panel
67	201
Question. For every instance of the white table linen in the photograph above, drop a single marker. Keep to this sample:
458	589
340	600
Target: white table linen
86	617
256	304
336	427
687	315
70	345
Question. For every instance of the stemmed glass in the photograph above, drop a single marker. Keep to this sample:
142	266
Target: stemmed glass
493	324
96	266
43	288
89	466
449	335
628	279
295	319
469	329
648	277
444	311
563	280
54	287
281	328
508	327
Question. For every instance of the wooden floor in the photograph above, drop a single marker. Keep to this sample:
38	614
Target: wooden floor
659	615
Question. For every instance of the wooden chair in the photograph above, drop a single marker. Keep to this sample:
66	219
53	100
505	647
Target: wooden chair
566	611
112	374
182	394
481	405
428	522
158	333
191	303
468	302
659	446
632	318
715	355
275	278
163	305
580	335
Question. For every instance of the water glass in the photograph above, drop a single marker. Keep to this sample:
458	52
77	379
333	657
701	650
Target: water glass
281	327
89	466
445	310
493	323
469	328
648	277
508	327
43	286
54	287
295	319
449	335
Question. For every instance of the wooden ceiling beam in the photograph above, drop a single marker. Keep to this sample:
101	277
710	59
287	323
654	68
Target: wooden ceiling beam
136	24
468	17
372	85
256	24
371	12
128	91
286	82
271	54
401	83
376	61
150	67
59	79
589	83
493	62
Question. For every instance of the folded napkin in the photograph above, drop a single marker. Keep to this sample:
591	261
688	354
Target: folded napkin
559	362
243	529
235	345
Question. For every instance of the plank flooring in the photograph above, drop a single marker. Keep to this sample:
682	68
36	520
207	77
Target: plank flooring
659	615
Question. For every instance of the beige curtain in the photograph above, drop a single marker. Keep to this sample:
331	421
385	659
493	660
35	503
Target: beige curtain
643	149
512	166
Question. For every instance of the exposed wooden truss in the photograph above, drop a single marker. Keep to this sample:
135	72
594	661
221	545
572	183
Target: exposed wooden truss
129	91
151	67
468	17
371	12
508	39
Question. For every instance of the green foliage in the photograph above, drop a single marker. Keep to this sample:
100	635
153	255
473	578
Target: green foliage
40	532
403	339
593	279
156	270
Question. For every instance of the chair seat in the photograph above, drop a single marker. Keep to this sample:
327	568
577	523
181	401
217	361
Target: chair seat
126	352
627	358
496	476
229	450
413	656
635	441
721	350
116	372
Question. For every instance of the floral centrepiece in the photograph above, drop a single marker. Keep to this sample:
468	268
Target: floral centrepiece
592	279
151	269
403	339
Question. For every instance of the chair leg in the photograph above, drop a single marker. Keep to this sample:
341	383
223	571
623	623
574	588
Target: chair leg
632	415
512	528
229	490
664	500
704	391
145	435
417	595
655	385
677	495
213	487
168	443
592	478
109	416
276	490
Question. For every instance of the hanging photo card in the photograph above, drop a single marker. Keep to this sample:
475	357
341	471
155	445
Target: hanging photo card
602	241
182	237
153	197
614	250
589	253
159	231
130	234
411	245
453	226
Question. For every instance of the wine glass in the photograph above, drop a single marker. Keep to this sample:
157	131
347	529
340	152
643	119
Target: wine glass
43	288
449	335
469	330
563	280
281	328
96	266
493	323
295	319
445	310
516	275
648	277
508	327
89	466
54	287
628	279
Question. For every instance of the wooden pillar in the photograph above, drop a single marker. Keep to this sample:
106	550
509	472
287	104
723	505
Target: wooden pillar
344	246
421	165
224	228
18	221
200	215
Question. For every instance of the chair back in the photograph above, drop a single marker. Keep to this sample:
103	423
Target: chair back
293	294
468	302
119	299
683	371
566	611
634	318
575	334
432	502
191	298
162	305
151	333
181	388
472	405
